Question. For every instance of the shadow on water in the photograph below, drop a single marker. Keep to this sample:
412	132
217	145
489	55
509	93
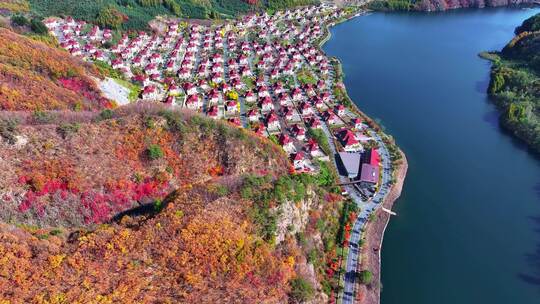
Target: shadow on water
481	86
533	259
536	189
492	118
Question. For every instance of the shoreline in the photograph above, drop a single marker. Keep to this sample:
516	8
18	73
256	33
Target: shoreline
370	252
373	232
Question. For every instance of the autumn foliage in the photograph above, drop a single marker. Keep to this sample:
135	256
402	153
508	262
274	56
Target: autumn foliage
194	244
35	76
99	169
196	250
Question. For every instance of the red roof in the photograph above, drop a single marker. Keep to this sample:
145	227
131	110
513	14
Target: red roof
312	145
375	158
284	139
299	156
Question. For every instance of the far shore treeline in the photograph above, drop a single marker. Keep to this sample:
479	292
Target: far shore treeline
515	82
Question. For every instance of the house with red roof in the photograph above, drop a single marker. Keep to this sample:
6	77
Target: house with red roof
99	55
174	90
296	94
259	130
286	142
149	92
272	122
287	112
298	132
213	96
357	123
117	63
314	123
250	97
253	115
169	100
151	68
190	88
263	92
156	58
326	97
299	160
193	102
330	117
306	109
348	140
266	104
213	112
340	109
231	106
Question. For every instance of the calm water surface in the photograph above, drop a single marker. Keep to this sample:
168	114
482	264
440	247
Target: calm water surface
468	224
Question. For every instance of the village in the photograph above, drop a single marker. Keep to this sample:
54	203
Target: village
261	72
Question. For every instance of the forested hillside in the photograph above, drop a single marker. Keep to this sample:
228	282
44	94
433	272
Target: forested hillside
135	14
515	82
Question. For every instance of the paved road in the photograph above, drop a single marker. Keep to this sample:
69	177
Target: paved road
366	208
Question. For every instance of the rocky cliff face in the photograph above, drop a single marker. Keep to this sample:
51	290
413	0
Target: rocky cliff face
441	5
294	216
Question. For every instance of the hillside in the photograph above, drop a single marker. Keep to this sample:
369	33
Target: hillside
515	82
35	76
189	210
135	14
198	249
104	166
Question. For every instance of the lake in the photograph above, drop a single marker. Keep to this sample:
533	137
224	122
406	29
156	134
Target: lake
468	224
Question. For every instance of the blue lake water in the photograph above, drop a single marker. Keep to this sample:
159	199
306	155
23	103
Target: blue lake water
468	224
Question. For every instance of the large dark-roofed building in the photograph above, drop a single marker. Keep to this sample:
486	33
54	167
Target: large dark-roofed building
349	164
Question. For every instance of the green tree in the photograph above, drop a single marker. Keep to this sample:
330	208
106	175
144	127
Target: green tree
19	20
38	27
365	276
497	82
154	152
173	6
110	17
301	290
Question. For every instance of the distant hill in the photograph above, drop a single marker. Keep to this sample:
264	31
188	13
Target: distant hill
515	82
35	76
442	5
135	14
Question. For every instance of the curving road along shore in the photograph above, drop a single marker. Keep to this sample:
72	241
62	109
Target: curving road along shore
374	234
367	257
